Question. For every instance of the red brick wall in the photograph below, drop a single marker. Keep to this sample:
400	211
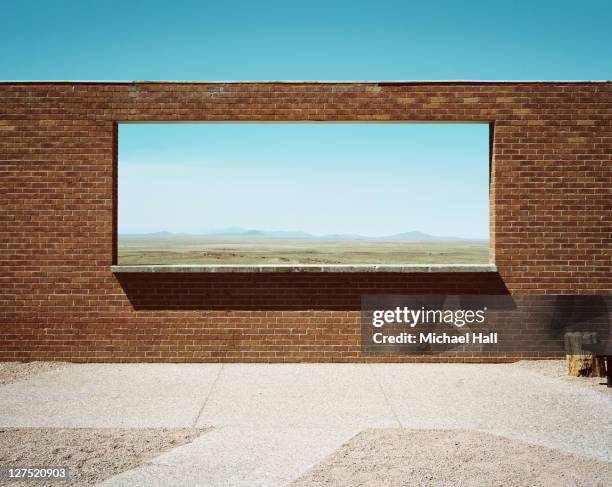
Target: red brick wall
551	224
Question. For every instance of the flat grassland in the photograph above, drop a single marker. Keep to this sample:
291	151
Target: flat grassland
133	250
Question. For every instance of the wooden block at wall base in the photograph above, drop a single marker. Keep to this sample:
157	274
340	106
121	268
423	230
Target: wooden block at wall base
581	363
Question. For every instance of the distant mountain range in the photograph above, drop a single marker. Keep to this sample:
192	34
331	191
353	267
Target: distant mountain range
244	232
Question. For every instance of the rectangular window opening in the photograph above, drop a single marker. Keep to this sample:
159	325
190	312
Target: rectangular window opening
300	194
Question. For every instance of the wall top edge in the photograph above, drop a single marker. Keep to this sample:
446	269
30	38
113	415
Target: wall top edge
310	82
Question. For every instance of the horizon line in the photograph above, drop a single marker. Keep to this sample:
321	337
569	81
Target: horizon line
301	234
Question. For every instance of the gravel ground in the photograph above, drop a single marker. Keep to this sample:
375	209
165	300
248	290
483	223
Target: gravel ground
402	457
91	455
557	369
15	371
531	401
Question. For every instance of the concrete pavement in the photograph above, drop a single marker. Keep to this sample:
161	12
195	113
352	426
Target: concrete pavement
109	396
273	422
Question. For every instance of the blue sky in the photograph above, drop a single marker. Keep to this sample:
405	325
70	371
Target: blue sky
369	179
347	40
325	40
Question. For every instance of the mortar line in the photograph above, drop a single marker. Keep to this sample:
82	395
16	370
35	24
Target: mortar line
210	392
382	390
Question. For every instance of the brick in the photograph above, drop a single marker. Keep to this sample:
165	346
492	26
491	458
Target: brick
550	216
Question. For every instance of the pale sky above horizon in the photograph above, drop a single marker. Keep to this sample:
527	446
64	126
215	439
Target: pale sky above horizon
368	179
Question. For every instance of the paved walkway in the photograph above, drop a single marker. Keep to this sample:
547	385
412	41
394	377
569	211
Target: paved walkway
273	422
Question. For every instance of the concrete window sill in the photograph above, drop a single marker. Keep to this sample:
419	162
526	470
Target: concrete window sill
307	268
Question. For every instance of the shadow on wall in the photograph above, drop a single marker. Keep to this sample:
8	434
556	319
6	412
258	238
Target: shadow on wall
291	291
